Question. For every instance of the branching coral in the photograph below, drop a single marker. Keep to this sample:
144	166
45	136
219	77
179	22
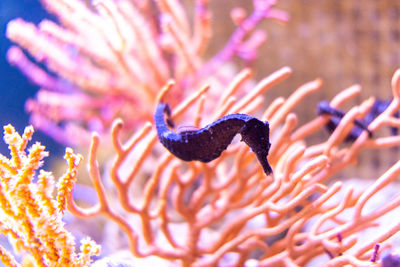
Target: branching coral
112	57
30	216
229	211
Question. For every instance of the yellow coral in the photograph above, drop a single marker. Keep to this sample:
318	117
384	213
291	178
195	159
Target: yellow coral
30	216
7	258
68	180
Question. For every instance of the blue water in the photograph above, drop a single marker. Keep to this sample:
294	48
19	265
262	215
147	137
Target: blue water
15	88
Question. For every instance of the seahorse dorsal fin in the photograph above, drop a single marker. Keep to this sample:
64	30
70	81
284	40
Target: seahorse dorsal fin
186	129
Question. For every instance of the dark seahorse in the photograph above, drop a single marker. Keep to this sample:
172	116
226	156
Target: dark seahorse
360	125
207	144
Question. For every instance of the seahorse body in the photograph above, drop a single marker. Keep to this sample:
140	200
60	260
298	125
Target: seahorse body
207	144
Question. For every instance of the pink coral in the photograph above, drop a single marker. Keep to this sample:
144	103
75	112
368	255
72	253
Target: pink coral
111	58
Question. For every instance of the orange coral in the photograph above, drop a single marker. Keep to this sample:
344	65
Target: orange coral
228	207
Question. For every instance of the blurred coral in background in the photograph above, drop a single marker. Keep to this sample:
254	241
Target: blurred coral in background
106	65
112	57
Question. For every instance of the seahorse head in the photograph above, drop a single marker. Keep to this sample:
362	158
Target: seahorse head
255	134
